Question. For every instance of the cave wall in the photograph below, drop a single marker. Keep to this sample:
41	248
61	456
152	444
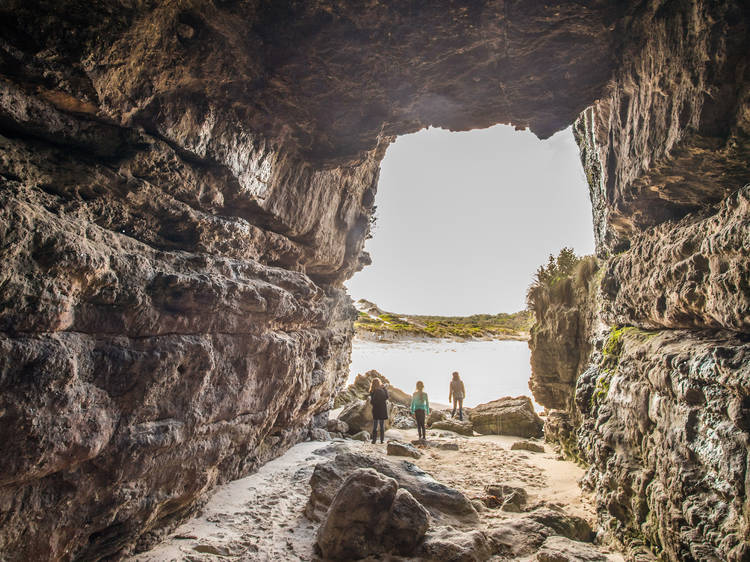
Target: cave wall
661	407
186	185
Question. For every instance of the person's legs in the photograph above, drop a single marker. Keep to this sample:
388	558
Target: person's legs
461	409
382	430
374	430
419	415
455	404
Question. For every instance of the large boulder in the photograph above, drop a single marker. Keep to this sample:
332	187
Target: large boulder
444	503
436	416
507	416
360	390
464	427
371	515
357	415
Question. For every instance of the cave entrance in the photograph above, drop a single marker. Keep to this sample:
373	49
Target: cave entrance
463	221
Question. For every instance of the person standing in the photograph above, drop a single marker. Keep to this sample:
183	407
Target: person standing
457	393
420	407
378	400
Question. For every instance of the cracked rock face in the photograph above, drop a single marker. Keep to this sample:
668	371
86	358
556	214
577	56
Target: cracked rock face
185	187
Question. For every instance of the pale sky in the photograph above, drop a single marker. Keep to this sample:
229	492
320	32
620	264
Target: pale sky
465	219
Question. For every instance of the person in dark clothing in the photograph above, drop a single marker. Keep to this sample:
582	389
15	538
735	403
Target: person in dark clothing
420	407
378	399
457	392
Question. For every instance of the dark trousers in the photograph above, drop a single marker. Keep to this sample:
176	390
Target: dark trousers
419	415
460	403
375	424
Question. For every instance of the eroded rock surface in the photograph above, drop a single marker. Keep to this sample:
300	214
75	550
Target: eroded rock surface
184	188
506	416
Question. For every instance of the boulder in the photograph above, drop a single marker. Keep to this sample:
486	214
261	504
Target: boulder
507	416
456	426
337	426
450	545
443	445
399	449
561	549
524	535
435	416
527	446
318	434
360	390
358	416
370	515
444	503
362	436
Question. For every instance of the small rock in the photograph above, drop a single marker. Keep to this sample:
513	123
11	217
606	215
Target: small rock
399	449
452	446
404	422
527	446
361	436
318	434
337	426
504	492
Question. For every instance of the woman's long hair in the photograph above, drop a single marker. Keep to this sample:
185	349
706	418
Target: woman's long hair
375	384
456	377
420	389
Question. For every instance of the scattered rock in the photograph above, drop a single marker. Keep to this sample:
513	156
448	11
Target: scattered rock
318	434
524	535
362	436
445	504
404	422
527	446
507	416
456	426
449	545
371	515
399	449
561	549
337	426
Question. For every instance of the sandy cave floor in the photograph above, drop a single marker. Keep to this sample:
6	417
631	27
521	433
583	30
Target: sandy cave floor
260	517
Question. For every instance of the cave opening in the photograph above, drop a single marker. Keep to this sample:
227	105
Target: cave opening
463	221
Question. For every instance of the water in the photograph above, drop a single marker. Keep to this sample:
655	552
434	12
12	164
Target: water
489	369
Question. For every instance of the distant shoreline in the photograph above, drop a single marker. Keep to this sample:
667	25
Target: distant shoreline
386	337
375	324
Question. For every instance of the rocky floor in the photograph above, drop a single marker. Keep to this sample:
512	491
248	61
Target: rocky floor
261	517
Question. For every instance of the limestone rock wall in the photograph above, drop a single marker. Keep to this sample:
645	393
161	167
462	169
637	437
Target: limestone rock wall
662	403
186	185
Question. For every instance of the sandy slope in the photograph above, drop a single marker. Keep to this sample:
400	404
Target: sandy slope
260	517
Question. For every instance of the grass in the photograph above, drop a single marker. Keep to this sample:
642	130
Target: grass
493	326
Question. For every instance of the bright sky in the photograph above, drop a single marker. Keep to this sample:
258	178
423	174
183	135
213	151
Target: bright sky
465	219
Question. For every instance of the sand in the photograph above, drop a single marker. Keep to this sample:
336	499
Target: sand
260	517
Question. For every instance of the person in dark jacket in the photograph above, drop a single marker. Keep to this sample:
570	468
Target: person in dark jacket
457	393
378	399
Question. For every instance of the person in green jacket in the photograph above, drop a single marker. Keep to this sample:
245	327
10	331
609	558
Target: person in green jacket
420	407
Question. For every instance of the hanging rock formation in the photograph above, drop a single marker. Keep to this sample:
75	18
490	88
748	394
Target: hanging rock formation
185	187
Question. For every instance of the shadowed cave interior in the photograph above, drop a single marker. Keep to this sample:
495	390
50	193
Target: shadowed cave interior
186	186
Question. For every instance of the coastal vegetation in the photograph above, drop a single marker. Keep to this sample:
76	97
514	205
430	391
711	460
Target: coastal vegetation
373	321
